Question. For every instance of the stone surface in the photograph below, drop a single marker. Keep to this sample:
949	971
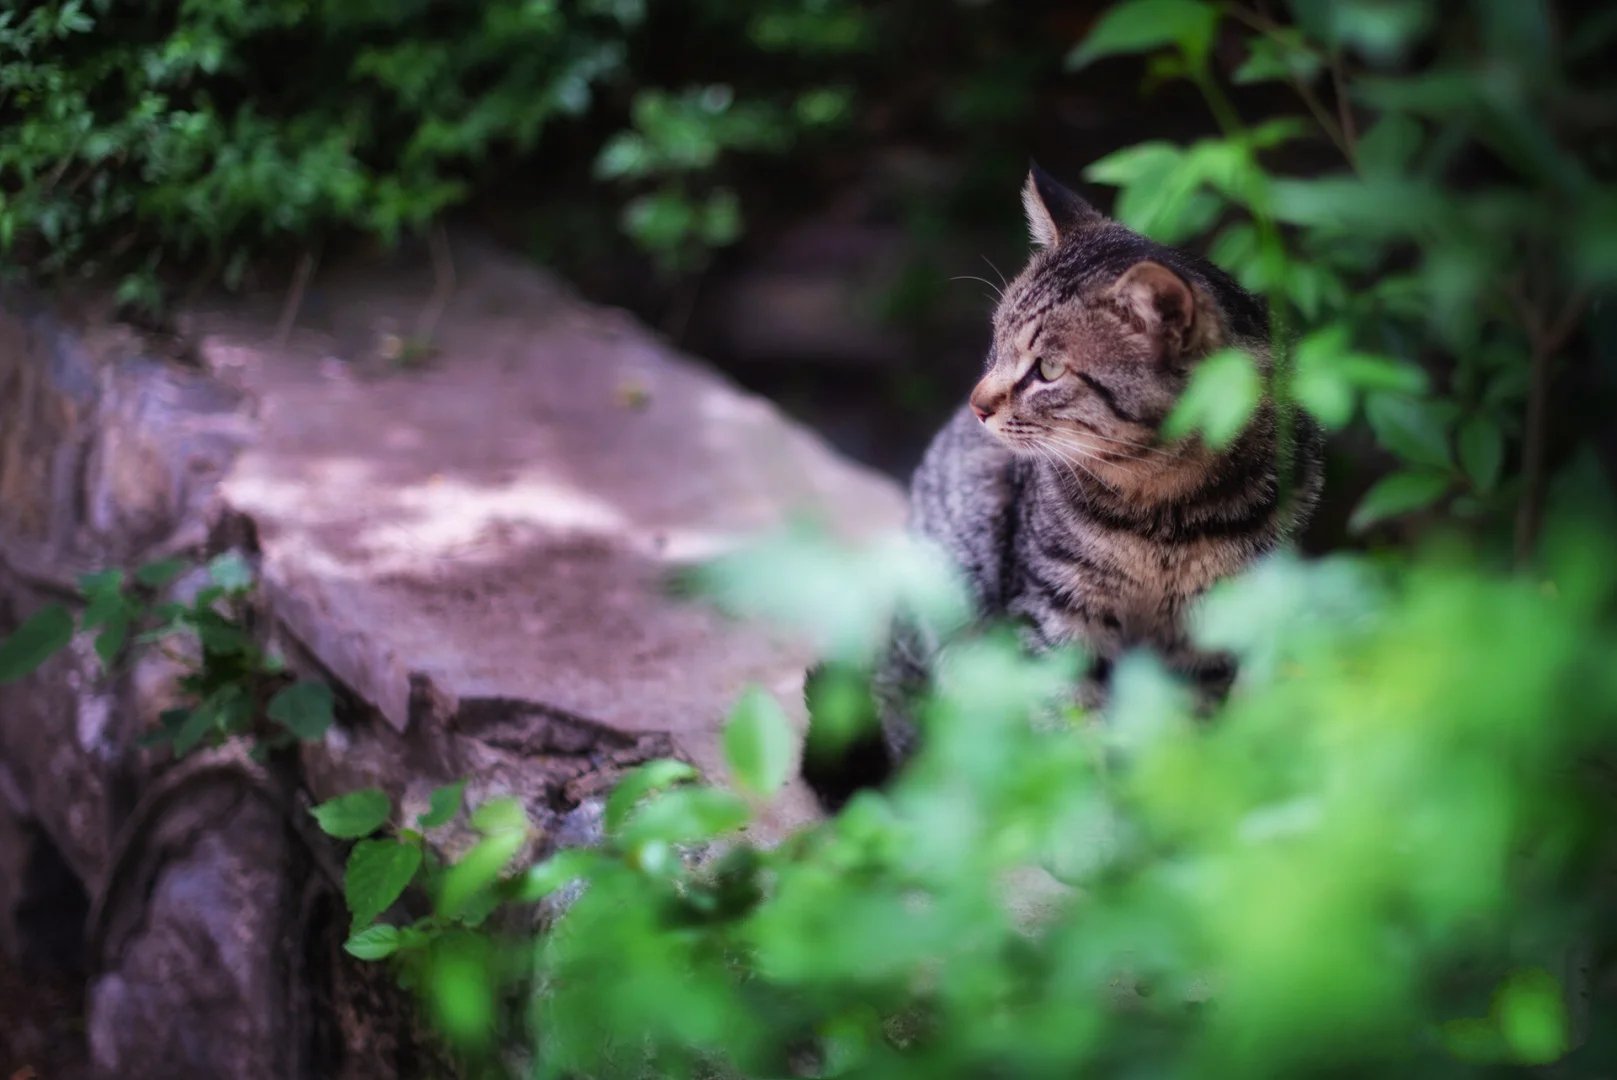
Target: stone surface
490	536
474	552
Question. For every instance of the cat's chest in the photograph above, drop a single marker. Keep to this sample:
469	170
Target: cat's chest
1127	584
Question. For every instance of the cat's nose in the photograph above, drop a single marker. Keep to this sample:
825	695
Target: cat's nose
982	412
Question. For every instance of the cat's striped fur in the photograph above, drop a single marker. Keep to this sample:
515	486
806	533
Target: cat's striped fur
1054	492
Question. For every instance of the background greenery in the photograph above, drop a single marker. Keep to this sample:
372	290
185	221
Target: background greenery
1390	852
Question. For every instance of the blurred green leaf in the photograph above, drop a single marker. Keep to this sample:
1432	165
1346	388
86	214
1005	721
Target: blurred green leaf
642	781
1223	391
1482	451
684	815
759	742
304	709
476	870
442	805
42	635
1398	494
1413	428
1138	26
1532	1017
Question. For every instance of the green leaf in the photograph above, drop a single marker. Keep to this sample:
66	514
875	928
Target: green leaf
304	709
563	867
378	872
758	742
45	633
1389	146
230	572
477	870
686	814
101	583
502	815
157	574
1144	25
461	987
442	805
1283	55
1224	389
1398	494
650	777
1482	452
1532	1017
222	711
1412	428
1329	374
358	813
373	942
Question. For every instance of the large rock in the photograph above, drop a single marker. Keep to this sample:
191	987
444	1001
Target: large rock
474	551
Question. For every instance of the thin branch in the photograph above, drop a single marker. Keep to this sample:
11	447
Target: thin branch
443	274
1322	116
1545	339
294	299
1344	108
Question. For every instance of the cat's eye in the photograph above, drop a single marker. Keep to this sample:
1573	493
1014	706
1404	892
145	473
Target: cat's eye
1050	368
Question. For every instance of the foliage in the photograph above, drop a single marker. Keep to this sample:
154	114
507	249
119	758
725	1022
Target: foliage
1378	859
231	685
1464	235
165	136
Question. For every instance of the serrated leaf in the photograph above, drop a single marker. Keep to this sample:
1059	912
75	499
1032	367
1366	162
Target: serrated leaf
1396	495
155	575
230	572
758	742
642	781
1412	428
304	709
358	813
373	942
377	874
1482	452
1143	25
502	815
555	872
686	814
41	636
442	805
476	870
1223	390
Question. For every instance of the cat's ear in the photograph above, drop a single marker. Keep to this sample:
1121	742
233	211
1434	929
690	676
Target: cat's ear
1053	211
1166	307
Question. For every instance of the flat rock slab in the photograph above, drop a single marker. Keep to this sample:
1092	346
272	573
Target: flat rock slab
492	532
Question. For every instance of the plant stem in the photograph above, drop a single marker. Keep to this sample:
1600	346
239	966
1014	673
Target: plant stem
1545	339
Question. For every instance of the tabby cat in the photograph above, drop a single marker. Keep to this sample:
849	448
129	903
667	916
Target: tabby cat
1054	491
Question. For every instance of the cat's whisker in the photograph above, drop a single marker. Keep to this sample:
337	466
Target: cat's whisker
1114	439
997	273
999	293
1091	452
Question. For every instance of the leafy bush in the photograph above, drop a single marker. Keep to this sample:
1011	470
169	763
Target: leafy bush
230	687
204	136
1463	237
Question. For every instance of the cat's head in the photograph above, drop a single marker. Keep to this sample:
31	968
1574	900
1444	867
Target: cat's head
1095	340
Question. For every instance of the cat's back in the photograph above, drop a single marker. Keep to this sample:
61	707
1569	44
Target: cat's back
962	497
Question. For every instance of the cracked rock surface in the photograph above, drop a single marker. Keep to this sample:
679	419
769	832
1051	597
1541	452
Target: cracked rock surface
473	550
